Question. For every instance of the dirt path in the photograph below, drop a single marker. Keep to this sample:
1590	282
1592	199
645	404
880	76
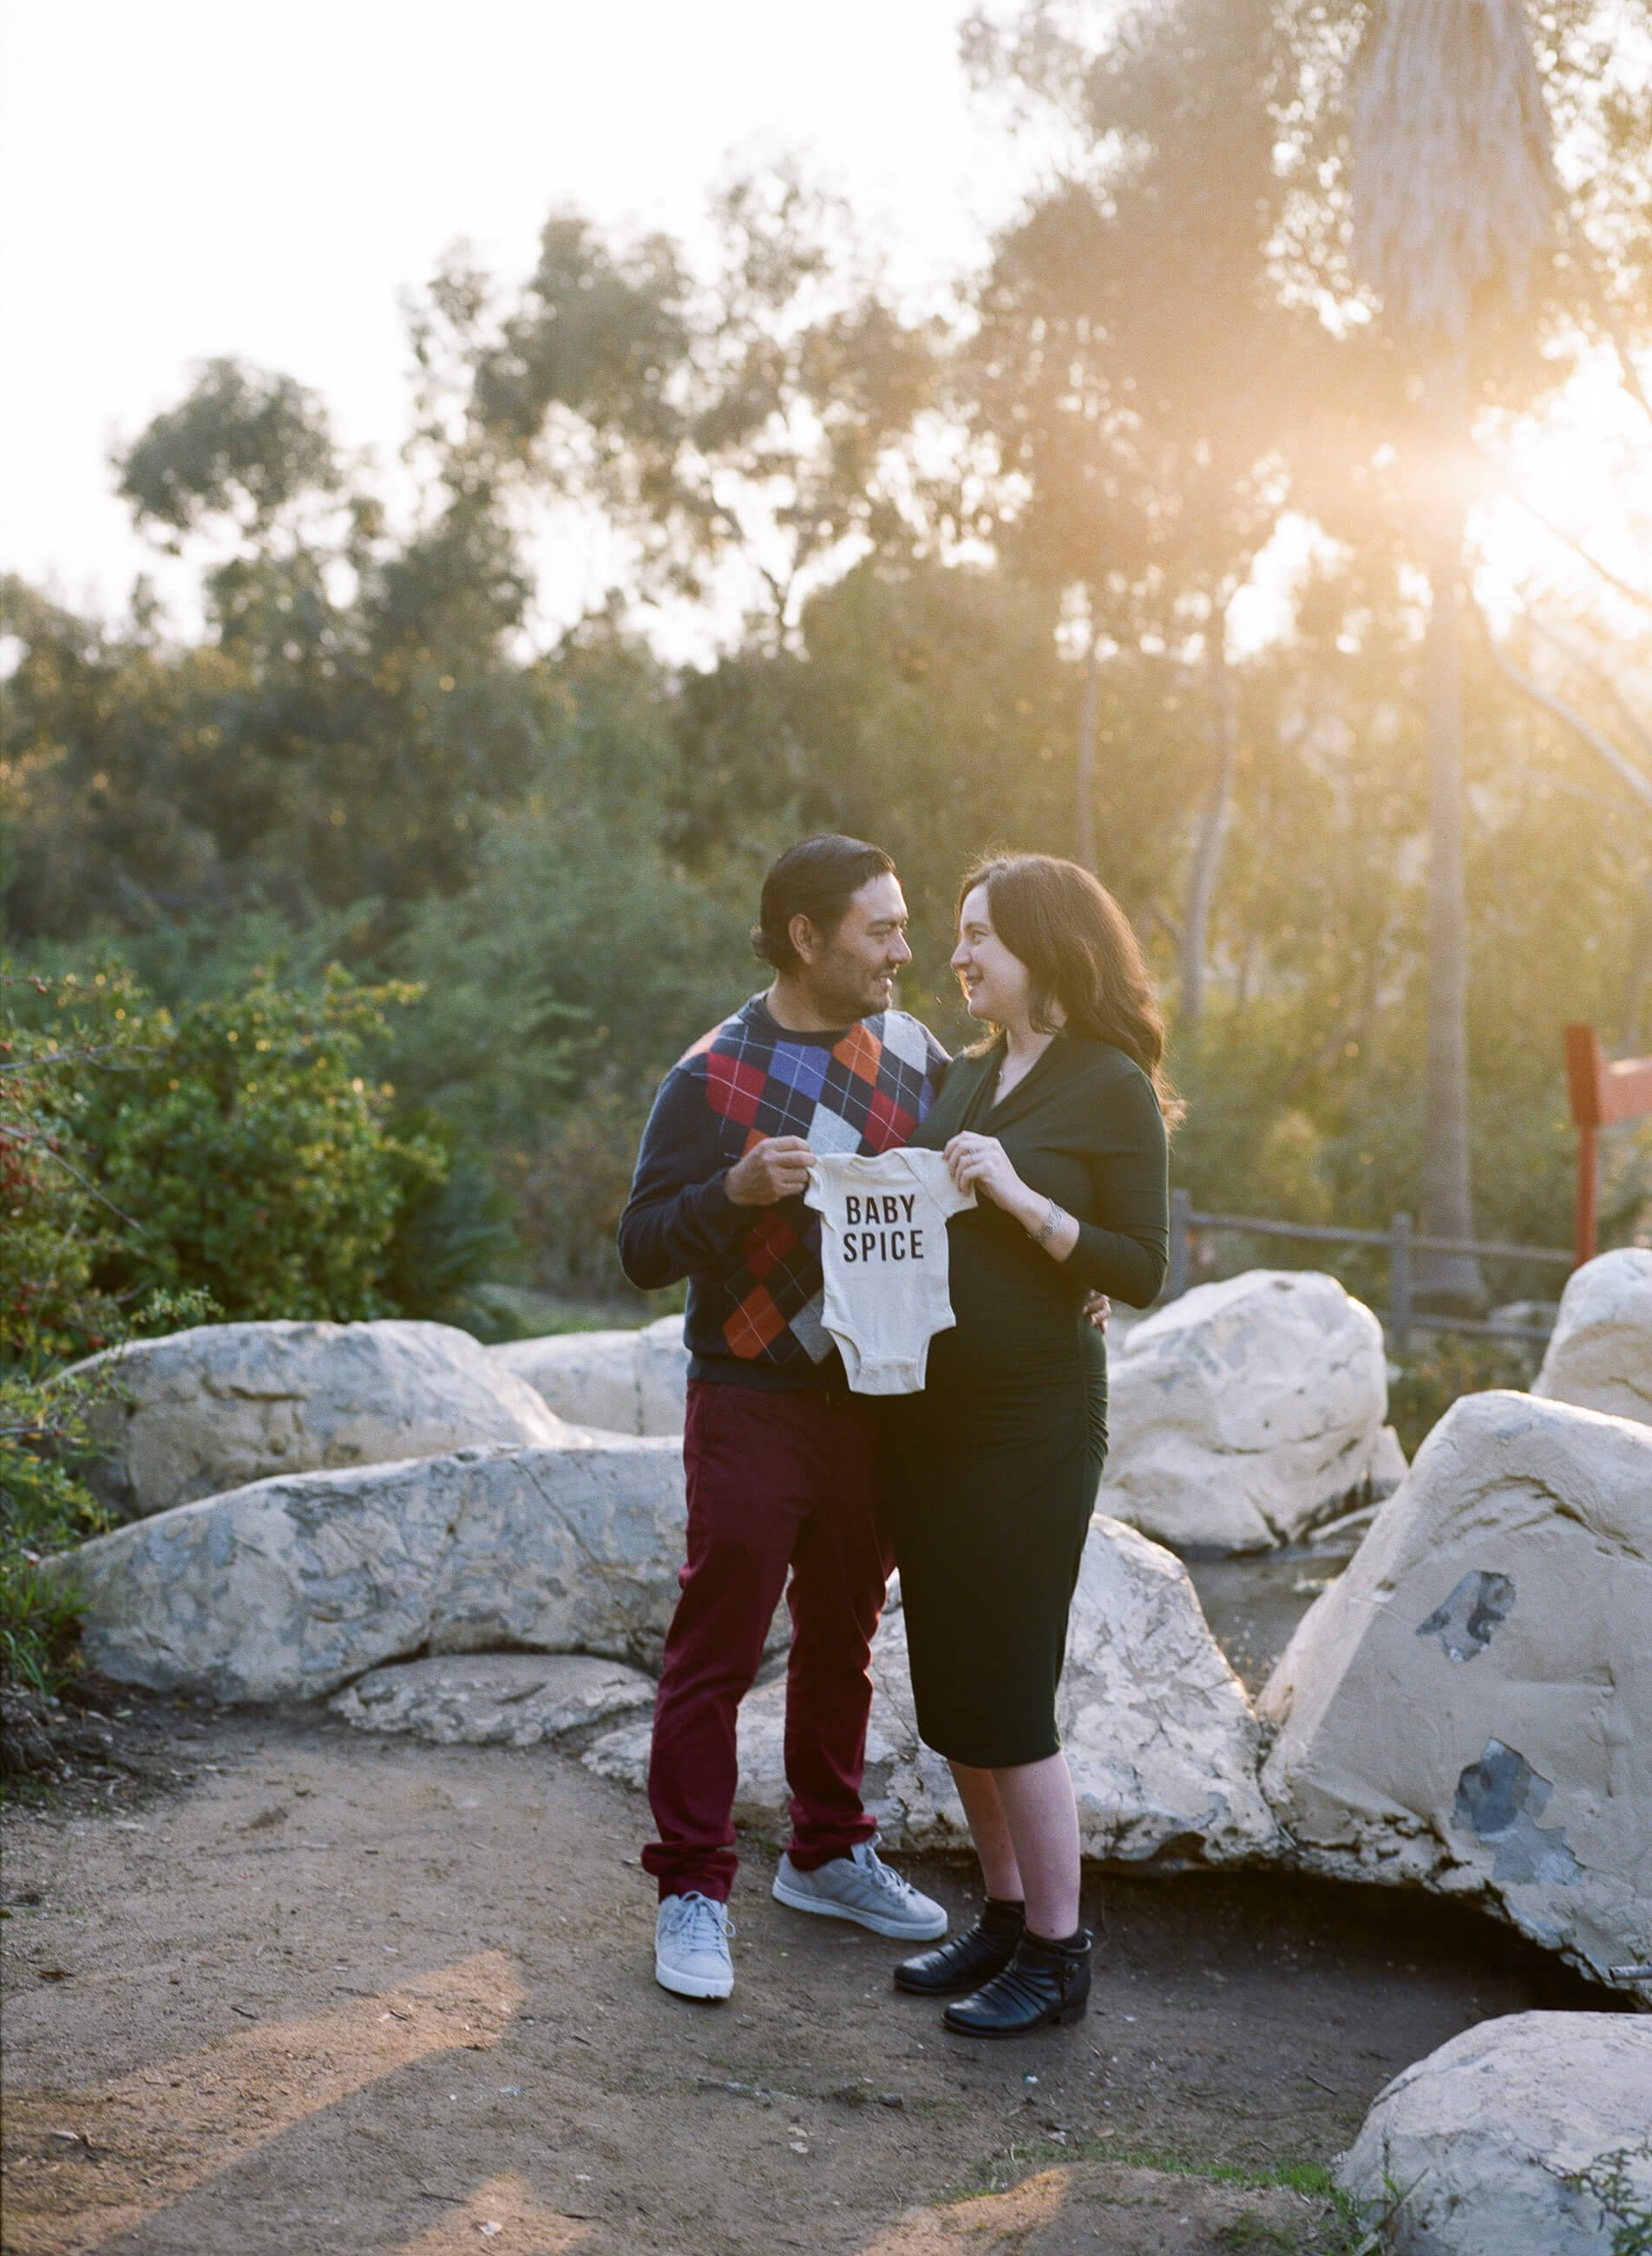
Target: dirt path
329	1992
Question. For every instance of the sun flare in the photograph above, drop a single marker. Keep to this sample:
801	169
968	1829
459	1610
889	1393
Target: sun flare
1575	478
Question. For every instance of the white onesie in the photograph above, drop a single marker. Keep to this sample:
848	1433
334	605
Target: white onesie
884	1256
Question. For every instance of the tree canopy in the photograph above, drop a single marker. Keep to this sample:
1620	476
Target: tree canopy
985	579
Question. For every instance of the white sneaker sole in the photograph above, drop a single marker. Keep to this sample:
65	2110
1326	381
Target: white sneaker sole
692	1985
897	1930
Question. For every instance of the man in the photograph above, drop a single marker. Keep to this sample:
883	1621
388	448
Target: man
780	1455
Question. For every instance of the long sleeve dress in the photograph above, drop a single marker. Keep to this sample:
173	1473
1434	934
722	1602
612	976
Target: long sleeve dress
989	1474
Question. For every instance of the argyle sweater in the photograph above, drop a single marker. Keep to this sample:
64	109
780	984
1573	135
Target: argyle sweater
755	1287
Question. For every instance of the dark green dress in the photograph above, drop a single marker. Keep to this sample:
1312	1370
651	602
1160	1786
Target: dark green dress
991	1473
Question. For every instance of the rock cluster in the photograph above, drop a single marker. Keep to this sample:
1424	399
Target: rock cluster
1468	1707
212	1408
1160	1738
1245	1412
1240	1415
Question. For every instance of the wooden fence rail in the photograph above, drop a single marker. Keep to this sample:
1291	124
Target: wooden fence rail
1404	1317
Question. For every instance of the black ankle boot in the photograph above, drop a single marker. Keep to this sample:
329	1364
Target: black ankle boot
1044	1983
969	1959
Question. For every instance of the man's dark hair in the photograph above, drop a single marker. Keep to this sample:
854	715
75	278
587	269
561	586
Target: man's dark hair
817	878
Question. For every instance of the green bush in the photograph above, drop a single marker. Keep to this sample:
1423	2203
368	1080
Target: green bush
56	1224
46	1506
240	1147
157	1170
453	1230
44	1509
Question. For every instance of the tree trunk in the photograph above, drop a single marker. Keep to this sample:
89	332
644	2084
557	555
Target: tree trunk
1451	1282
1089	712
1207	851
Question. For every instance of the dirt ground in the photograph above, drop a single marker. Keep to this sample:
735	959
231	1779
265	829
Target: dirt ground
275	1987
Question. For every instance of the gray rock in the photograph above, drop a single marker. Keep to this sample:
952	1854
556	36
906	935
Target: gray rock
1469	1706
1599	1355
494	1699
624	1382
1245	1412
1387	1467
289	1588
1468	2153
1160	1738
210	1409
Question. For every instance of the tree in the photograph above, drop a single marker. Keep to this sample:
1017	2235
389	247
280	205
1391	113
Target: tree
753	418
1452	188
1134	375
360	702
242	446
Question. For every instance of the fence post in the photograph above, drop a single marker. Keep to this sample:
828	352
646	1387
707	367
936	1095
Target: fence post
1180	1207
1399	1283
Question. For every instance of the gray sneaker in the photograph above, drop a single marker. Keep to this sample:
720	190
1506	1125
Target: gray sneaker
861	1887
691	1946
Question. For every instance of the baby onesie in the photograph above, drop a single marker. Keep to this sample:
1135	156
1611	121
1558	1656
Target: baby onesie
884	1253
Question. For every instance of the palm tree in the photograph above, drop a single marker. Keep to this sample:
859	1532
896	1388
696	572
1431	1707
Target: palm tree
1453	198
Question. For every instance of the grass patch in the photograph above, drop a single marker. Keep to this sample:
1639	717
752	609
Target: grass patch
1341	2229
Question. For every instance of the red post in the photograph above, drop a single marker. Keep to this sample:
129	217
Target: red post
1603	1091
1585	1068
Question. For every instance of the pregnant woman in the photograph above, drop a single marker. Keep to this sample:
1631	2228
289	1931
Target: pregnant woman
1057	1123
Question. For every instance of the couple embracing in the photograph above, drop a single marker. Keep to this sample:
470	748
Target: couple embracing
980	1486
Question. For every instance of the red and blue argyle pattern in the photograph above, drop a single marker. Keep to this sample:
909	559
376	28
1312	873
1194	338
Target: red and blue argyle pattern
864	1093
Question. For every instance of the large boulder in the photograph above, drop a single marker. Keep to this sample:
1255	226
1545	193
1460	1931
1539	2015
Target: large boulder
494	1699
1471	2152
212	1408
1599	1353
1160	1738
1245	1412
1469	1706
624	1382
287	1589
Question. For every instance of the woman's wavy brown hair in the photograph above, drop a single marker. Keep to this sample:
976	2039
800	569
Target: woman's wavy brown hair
1078	946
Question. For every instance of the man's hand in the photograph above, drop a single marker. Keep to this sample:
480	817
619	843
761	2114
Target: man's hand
776	1168
1098	1308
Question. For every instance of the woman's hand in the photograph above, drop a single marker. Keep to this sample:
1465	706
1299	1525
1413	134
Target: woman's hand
980	1164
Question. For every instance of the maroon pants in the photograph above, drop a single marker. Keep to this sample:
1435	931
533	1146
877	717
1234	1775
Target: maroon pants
774	1481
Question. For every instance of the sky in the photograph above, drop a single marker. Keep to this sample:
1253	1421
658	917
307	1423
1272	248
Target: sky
185	179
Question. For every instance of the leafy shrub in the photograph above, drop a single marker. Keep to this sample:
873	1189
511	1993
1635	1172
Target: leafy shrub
452	1229
46	1506
238	1147
160	1170
44	1509
56	1224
